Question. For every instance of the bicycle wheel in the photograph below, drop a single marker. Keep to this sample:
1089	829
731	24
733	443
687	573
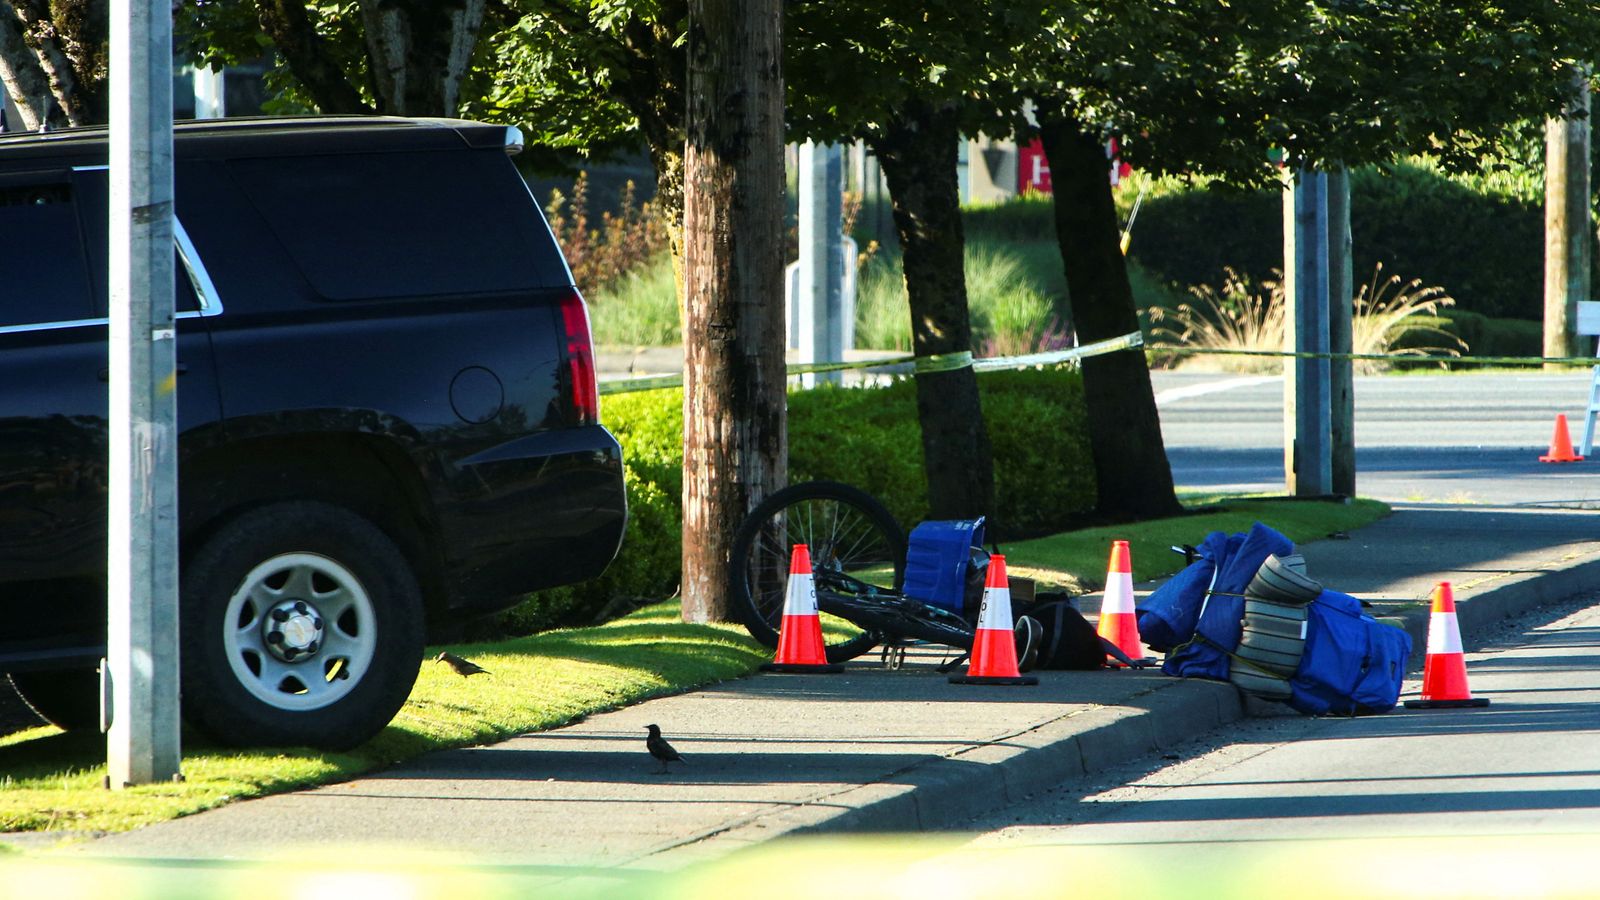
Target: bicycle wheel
848	533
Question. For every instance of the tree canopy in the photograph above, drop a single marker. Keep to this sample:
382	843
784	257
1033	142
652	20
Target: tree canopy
591	76
1216	87
853	66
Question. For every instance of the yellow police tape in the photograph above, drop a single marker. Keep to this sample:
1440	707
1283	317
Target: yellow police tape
1385	357
921	365
949	362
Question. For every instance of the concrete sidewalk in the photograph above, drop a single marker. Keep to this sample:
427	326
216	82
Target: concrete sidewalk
870	749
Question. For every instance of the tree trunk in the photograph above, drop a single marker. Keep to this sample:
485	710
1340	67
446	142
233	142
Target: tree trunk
735	445
69	45
295	38
1130	459
918	155
24	79
419	51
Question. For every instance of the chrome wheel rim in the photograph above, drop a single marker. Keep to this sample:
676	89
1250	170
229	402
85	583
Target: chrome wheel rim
299	632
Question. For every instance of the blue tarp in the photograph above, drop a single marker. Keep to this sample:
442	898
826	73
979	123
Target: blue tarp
1172	614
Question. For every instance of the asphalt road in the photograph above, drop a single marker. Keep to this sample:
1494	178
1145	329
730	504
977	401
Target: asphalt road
1524	765
1461	438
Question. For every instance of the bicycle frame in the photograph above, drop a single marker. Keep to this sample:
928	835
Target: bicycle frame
889	614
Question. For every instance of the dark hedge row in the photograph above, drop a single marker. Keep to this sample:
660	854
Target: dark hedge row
867	437
1485	249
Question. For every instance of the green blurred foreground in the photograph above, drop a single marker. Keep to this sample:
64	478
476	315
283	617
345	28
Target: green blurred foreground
882	868
50	781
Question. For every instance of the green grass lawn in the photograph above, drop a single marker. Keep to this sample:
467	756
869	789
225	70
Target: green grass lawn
52	781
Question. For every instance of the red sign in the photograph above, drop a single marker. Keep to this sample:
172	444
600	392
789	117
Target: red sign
1033	170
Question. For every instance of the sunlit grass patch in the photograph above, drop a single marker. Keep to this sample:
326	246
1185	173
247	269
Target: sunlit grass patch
52	781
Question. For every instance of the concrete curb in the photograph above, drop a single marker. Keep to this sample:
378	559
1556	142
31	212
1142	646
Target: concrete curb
1508	599
941	793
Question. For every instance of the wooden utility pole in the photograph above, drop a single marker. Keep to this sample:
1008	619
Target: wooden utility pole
1341	335
735	443
1566	221
1307	381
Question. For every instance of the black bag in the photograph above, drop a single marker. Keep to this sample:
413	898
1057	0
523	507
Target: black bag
1069	641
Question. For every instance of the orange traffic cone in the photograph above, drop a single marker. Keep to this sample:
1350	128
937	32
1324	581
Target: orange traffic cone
1444	674
994	645
1117	621
1561	444
800	647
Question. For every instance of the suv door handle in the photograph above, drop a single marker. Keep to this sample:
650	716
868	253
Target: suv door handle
105	374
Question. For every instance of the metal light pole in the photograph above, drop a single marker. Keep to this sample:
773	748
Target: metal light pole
142	561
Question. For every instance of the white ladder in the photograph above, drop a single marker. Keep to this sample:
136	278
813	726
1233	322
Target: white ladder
1589	325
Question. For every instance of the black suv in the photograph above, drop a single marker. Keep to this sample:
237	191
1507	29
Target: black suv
387	411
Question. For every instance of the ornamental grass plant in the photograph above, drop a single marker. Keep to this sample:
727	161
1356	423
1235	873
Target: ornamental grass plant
1239	314
1391	317
1387	309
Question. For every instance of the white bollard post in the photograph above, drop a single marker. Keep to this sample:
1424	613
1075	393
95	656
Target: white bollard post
820	314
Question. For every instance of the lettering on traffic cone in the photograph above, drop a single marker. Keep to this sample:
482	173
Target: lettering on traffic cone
994	644
1561	444
1444	674
800	647
1118	623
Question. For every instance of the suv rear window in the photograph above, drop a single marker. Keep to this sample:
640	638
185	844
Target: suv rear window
369	225
43	277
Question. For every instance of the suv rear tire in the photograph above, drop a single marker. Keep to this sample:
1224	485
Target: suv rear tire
302	625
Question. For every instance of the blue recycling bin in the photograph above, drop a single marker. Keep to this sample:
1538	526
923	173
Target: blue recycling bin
937	556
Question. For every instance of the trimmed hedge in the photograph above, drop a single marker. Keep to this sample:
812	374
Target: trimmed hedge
1483	336
1485	247
868	437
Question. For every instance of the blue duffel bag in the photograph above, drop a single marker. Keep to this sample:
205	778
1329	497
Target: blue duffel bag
1206	600
1167	616
1352	662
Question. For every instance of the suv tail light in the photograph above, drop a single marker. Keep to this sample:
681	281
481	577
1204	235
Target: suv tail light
583	393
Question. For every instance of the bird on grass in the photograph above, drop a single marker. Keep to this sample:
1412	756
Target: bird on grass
463	667
659	748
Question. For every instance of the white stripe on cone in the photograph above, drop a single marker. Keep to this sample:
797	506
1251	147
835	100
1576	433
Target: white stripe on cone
1444	633
996	609
1119	594
801	599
